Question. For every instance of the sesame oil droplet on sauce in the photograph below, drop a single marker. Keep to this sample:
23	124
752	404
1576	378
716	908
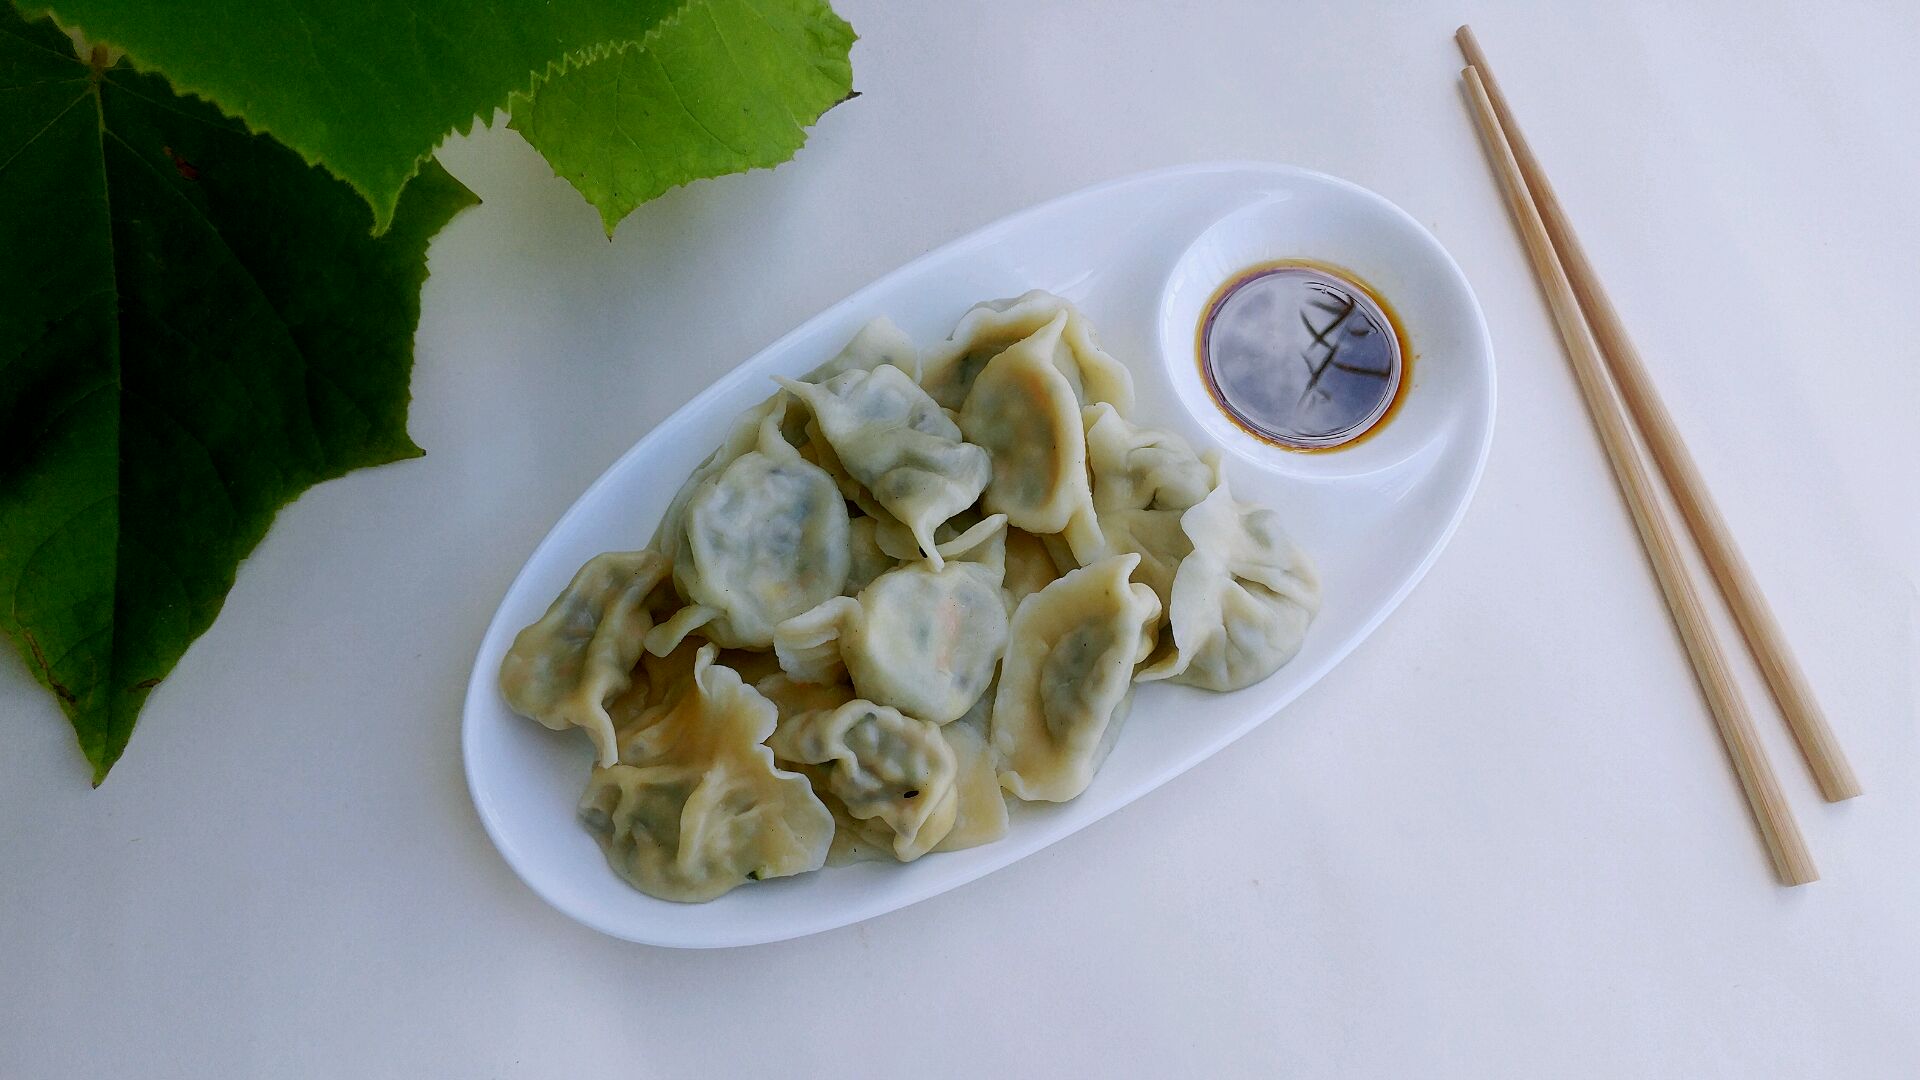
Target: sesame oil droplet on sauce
1303	355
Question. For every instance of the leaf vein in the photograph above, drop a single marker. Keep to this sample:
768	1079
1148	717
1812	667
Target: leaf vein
667	71
26	564
48	126
307	367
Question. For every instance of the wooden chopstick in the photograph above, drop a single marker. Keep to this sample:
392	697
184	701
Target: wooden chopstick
1791	860
1750	609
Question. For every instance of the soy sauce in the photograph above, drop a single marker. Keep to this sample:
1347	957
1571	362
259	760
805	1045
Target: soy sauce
1303	355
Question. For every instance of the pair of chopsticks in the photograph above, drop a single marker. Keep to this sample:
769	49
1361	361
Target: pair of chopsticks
1593	334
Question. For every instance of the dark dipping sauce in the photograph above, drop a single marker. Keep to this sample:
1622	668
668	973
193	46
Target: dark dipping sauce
1303	355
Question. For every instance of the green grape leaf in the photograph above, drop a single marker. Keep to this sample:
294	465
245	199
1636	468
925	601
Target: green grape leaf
722	86
197	327
367	90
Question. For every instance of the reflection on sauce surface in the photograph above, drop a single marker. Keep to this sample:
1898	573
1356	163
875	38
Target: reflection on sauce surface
1303	355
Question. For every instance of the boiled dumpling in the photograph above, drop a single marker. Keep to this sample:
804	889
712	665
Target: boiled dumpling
660	681
879	342
696	806
1240	602
883	765
1144	479
897	542
1138	466
817	449
980	809
1024	412
763	540
993	326
746	432
866	560
1030	567
888	435
791	697
919	639
854	840
1068	677
565	669
1060	553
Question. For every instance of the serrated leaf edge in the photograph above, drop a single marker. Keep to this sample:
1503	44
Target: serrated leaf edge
382	207
612	222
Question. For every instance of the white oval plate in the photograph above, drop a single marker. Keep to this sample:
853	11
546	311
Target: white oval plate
1128	252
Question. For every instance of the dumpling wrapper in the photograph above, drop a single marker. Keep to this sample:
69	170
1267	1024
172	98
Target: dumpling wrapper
697	807
1144	480
565	669
866	559
980	808
898	543
763	540
854	840
1030	567
1241	601
901	447
879	342
1023	411
882	765
1067	679
990	327
920	639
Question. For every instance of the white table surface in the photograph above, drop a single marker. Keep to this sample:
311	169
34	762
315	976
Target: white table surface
1500	840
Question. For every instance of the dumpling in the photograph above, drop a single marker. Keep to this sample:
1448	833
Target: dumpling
750	664
747	431
993	326
1024	412
817	449
566	668
891	437
866	560
670	674
1061	554
980	810
1240	602
1144	479
660	681
879	342
1138	466
791	697
897	542
696	807
922	640
854	840
763	541
627	707
883	765
1030	567
1068	676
